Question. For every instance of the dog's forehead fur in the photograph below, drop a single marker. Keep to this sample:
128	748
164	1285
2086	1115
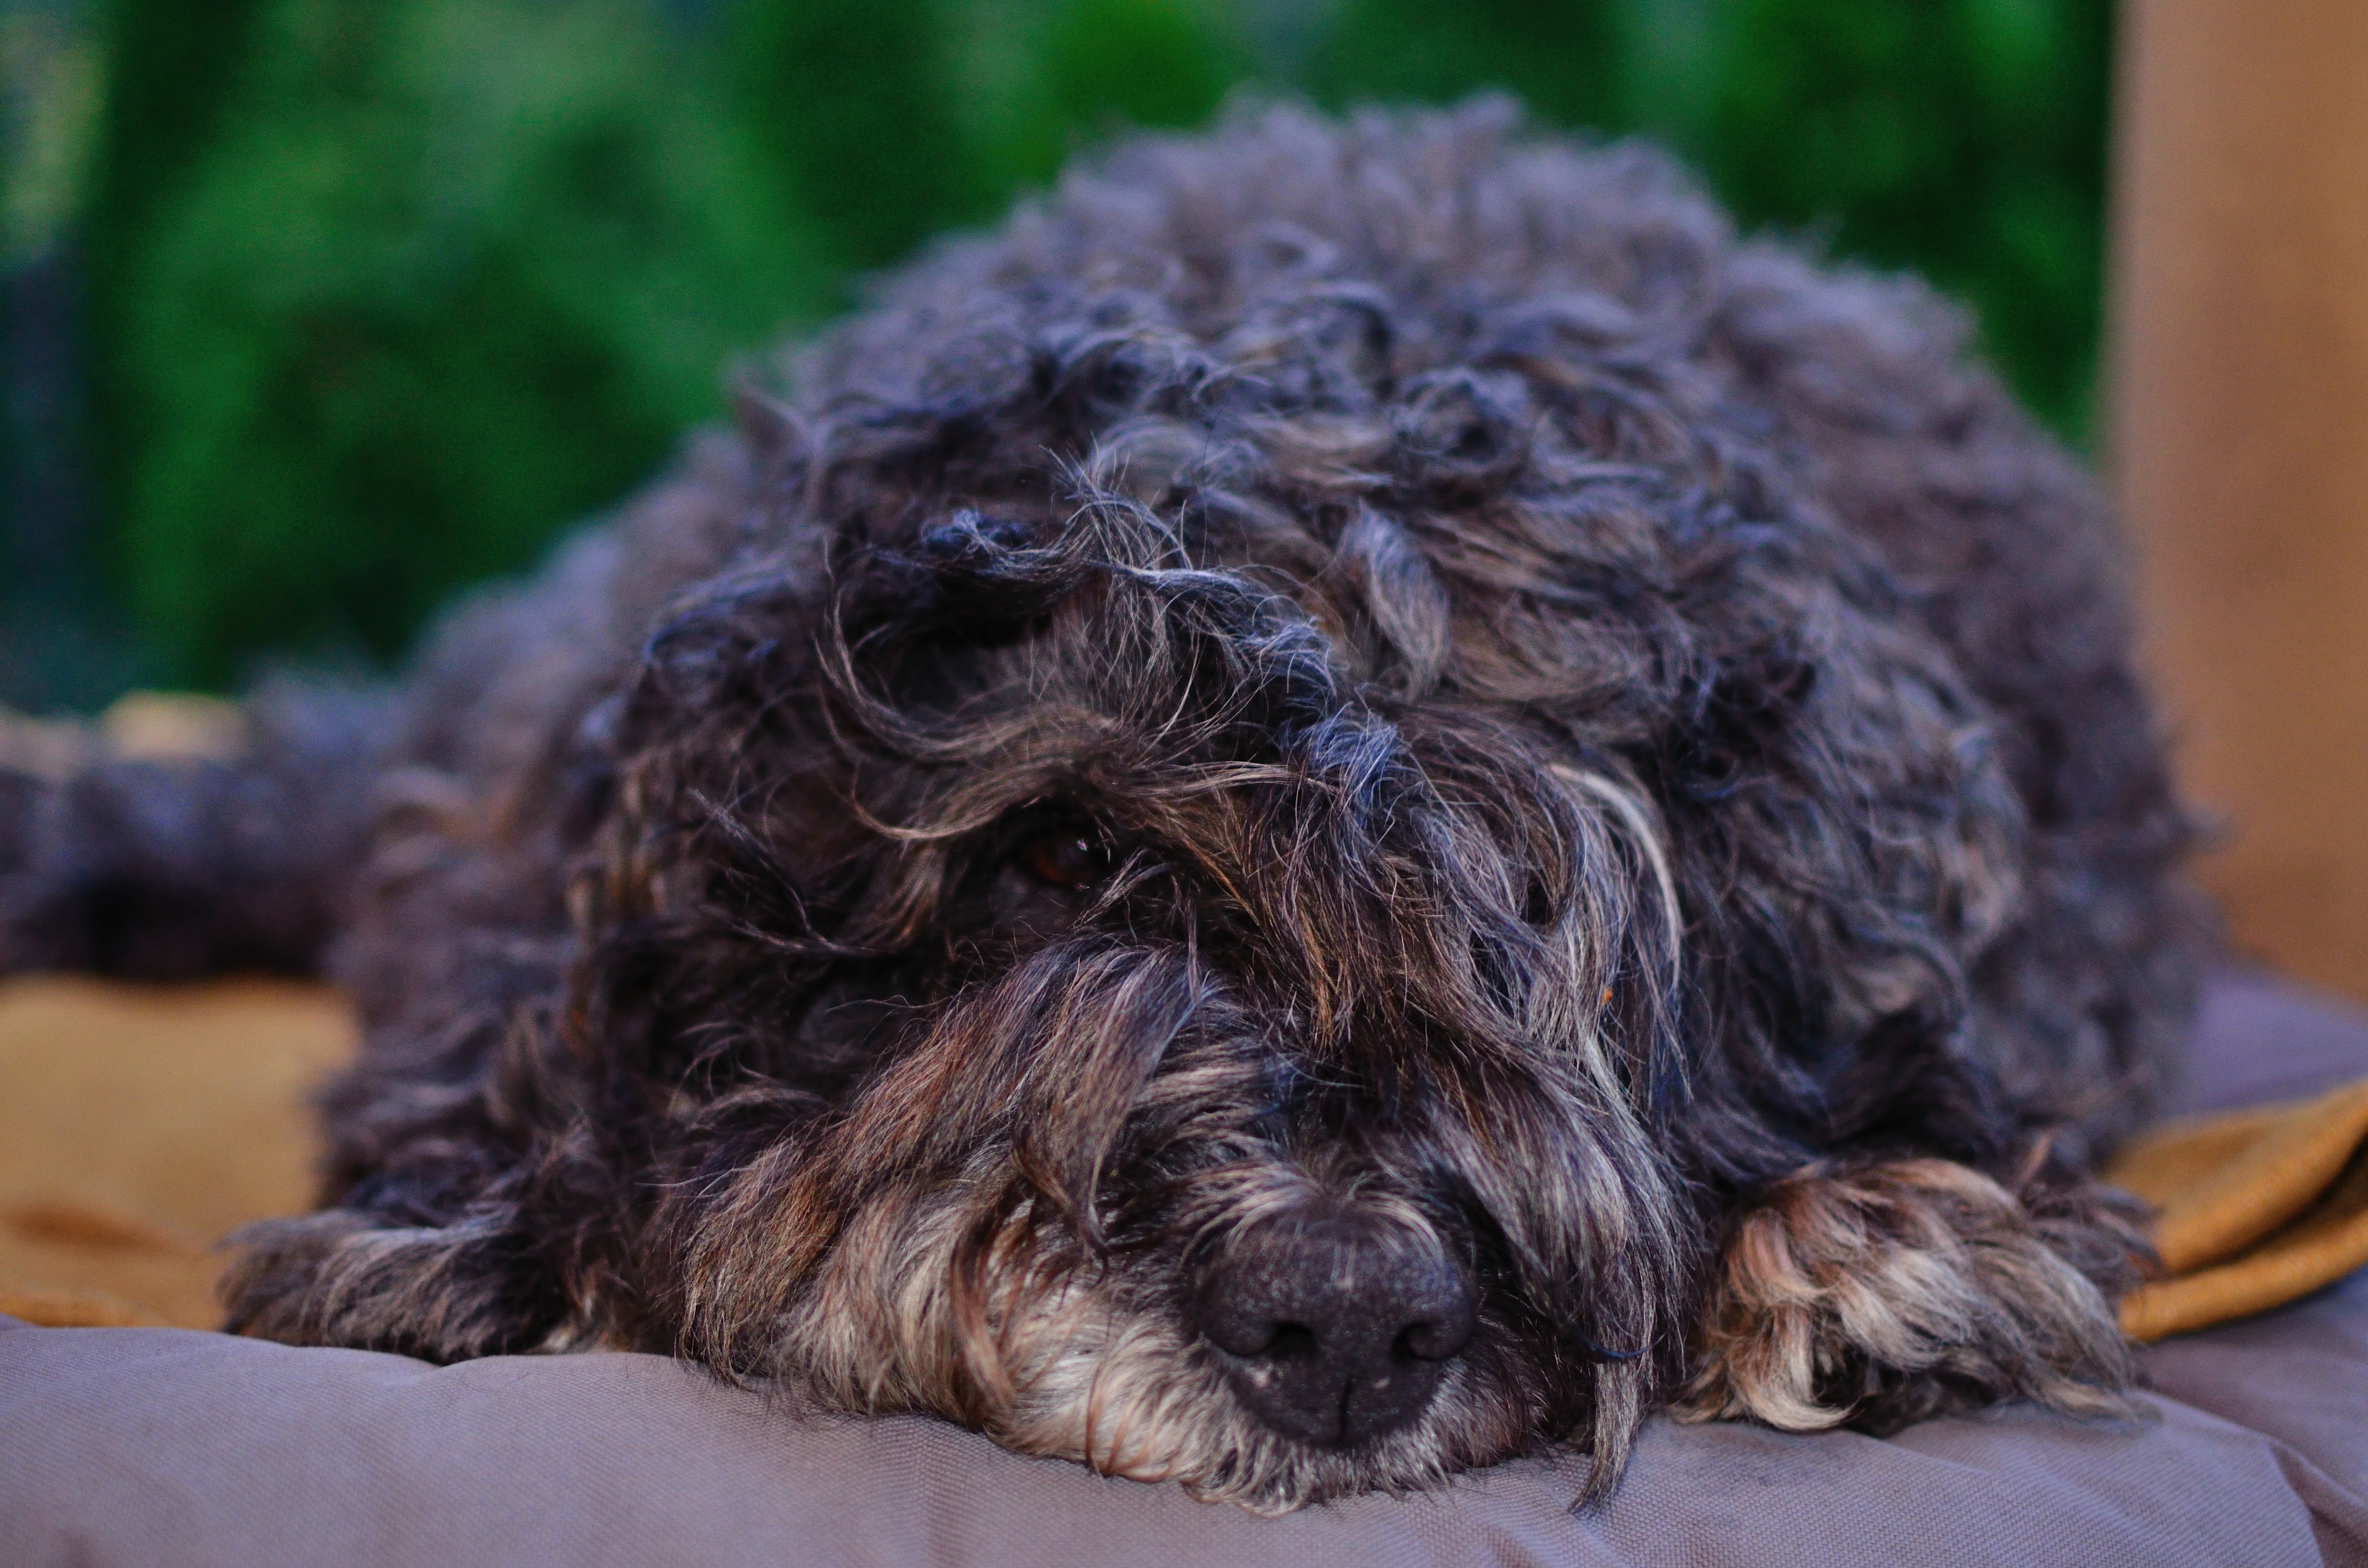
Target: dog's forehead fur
1585	718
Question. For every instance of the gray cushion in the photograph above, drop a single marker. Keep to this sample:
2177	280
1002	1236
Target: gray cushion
2258	1039
152	1445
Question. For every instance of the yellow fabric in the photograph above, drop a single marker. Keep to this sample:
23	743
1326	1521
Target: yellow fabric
139	1125
2252	1209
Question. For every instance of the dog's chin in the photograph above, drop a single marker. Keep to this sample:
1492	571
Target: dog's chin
1269	1473
1149	1401
1218	1450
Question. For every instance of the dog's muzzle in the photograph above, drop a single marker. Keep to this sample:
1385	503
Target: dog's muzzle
1334	1330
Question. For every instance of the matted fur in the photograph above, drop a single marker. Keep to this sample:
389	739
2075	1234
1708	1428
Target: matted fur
1612	744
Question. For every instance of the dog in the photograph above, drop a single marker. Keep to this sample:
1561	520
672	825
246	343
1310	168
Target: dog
1358	798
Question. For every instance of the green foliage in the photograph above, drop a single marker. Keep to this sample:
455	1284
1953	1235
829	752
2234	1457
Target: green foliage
1563	57
886	121
458	272
388	290
1962	138
168	68
849	102
1101	66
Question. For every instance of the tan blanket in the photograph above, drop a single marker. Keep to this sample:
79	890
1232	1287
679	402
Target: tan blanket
2252	1209
139	1125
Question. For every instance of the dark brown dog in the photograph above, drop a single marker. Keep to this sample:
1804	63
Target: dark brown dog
1358	798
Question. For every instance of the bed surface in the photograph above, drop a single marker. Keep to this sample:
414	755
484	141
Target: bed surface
147	1446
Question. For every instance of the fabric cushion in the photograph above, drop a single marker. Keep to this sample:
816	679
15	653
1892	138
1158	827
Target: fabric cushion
158	1445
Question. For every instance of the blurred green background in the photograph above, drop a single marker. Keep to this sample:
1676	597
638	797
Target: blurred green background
318	309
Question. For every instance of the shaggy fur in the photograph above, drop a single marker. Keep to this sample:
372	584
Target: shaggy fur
1392	670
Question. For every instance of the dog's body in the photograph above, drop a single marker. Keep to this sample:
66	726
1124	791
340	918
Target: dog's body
1358	798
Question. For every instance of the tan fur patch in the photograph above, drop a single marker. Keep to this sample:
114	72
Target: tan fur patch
1850	1294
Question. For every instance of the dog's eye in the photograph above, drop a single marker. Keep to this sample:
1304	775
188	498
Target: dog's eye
1066	857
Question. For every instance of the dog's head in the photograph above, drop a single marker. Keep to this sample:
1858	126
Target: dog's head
1223	879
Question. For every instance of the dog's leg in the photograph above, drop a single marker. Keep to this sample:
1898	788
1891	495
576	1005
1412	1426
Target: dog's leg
441	1293
1876	1294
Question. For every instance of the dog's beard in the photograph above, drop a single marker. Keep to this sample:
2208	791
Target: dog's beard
1004	1227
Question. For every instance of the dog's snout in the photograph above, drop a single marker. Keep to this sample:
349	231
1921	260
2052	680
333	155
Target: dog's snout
1334	1330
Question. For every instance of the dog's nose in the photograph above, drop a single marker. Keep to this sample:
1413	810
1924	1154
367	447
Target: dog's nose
1335	1331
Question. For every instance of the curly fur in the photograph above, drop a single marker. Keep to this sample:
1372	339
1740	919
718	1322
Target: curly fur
1618	752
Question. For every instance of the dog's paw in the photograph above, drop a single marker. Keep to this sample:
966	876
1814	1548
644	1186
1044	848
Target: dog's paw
1875	1295
442	1293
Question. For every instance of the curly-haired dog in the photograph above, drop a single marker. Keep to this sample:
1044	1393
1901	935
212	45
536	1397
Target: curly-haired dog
1358	798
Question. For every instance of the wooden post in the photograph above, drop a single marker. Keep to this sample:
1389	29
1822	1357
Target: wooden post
2239	444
